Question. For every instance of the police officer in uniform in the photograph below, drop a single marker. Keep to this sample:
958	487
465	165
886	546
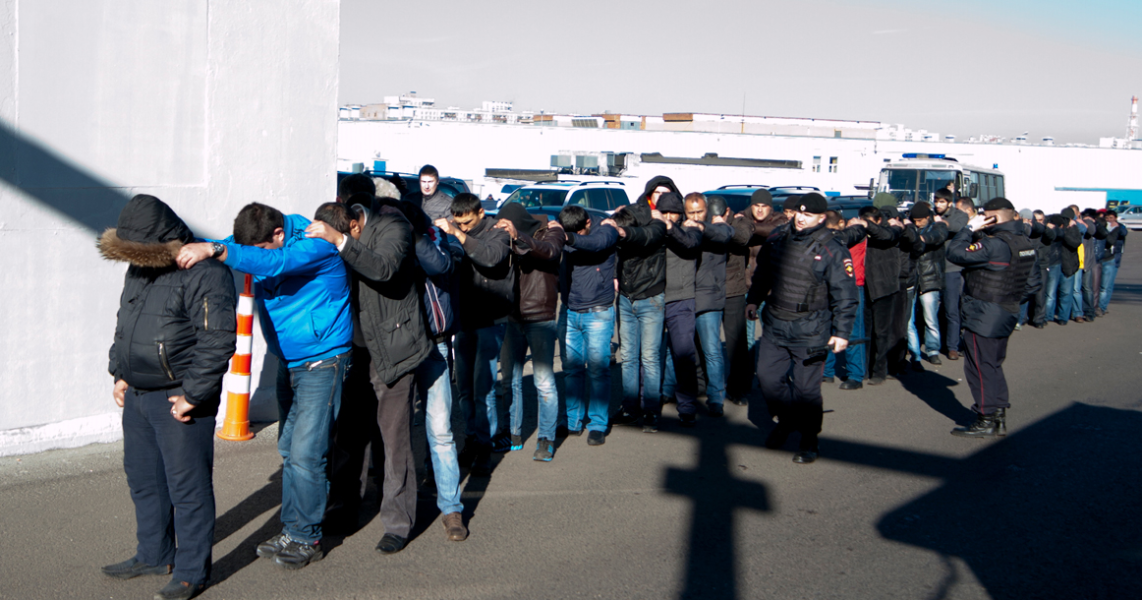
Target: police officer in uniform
1000	272
805	278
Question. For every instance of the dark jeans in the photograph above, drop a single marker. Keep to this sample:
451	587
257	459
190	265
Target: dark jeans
883	316
683	350
983	370
169	468
739	368
375	419
792	389
1088	289
953	290
854	356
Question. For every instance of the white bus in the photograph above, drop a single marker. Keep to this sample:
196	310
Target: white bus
917	176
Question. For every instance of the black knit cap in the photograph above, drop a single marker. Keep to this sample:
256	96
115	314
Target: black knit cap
761	197
1066	212
671	203
920	211
792	203
812	203
1002	203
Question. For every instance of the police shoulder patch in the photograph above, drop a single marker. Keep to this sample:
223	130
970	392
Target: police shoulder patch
849	267
975	246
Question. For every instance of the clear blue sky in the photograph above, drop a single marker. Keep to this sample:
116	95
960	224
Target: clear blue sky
1048	67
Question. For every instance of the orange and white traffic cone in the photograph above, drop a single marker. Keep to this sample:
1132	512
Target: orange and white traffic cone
236	426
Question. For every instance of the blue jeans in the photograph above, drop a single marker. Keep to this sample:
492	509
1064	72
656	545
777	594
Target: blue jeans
587	348
930	307
640	345
168	466
540	337
709	327
1060	293
854	355
751	331
434	381
1106	288
309	398
477	356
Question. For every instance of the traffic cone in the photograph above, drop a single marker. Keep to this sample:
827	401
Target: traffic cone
236	426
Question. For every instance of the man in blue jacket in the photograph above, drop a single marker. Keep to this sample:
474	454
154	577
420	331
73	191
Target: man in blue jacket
301	288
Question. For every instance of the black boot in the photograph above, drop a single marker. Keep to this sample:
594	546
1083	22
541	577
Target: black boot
984	426
1000	421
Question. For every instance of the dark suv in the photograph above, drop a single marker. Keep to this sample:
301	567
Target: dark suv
451	186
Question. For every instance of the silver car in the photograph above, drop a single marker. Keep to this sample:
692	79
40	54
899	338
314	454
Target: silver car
1130	216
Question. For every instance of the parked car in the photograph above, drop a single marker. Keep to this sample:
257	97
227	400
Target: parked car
781	192
849	206
600	198
1130	216
737	197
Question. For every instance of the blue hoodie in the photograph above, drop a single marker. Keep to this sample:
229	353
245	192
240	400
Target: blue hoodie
302	293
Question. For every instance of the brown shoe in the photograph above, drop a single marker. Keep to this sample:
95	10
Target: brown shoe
1080	319
454	526
953	354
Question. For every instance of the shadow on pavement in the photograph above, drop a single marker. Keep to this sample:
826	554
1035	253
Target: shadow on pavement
935	390
242	556
1049	511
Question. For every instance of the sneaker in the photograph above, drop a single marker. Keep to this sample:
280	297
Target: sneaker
297	554
649	423
454	527
624	417
179	590
392	543
271	547
689	420
1018	327
544	450
850	384
133	567
517	443
575	432
501	443
715	409
596	438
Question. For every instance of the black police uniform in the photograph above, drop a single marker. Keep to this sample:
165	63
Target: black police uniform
806	280
1000	271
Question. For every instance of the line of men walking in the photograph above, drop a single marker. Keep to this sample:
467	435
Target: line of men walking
362	309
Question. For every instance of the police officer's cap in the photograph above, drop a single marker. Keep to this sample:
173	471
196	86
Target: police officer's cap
812	203
761	197
999	203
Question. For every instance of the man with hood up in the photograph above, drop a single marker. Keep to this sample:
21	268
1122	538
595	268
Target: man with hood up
537	245
174	337
642	306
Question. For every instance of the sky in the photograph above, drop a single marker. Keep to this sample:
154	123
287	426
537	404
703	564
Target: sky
968	67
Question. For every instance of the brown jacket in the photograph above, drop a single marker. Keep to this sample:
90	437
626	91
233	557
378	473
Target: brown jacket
536	263
761	231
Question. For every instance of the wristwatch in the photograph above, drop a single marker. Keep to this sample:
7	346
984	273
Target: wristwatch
219	248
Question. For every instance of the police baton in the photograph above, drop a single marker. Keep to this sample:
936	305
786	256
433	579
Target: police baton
818	353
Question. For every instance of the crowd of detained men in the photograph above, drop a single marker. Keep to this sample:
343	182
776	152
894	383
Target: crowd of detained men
391	301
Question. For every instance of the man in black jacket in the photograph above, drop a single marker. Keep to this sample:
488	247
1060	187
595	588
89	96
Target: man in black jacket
930	260
955	220
806	281
487	284
999	273
642	305
710	290
375	240
174	337
882	289
1063	263
740	254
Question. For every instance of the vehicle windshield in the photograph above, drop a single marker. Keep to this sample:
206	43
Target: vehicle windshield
914	185
536	198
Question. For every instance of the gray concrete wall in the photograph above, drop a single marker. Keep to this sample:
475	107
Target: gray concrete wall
206	104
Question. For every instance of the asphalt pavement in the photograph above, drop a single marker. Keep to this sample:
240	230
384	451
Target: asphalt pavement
895	507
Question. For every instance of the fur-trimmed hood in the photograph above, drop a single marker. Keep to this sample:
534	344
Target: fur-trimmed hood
140	254
149	234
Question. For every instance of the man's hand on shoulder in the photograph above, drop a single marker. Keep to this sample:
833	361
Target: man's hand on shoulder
322	230
192	254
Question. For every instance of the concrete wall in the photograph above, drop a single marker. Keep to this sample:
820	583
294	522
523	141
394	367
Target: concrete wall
206	104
